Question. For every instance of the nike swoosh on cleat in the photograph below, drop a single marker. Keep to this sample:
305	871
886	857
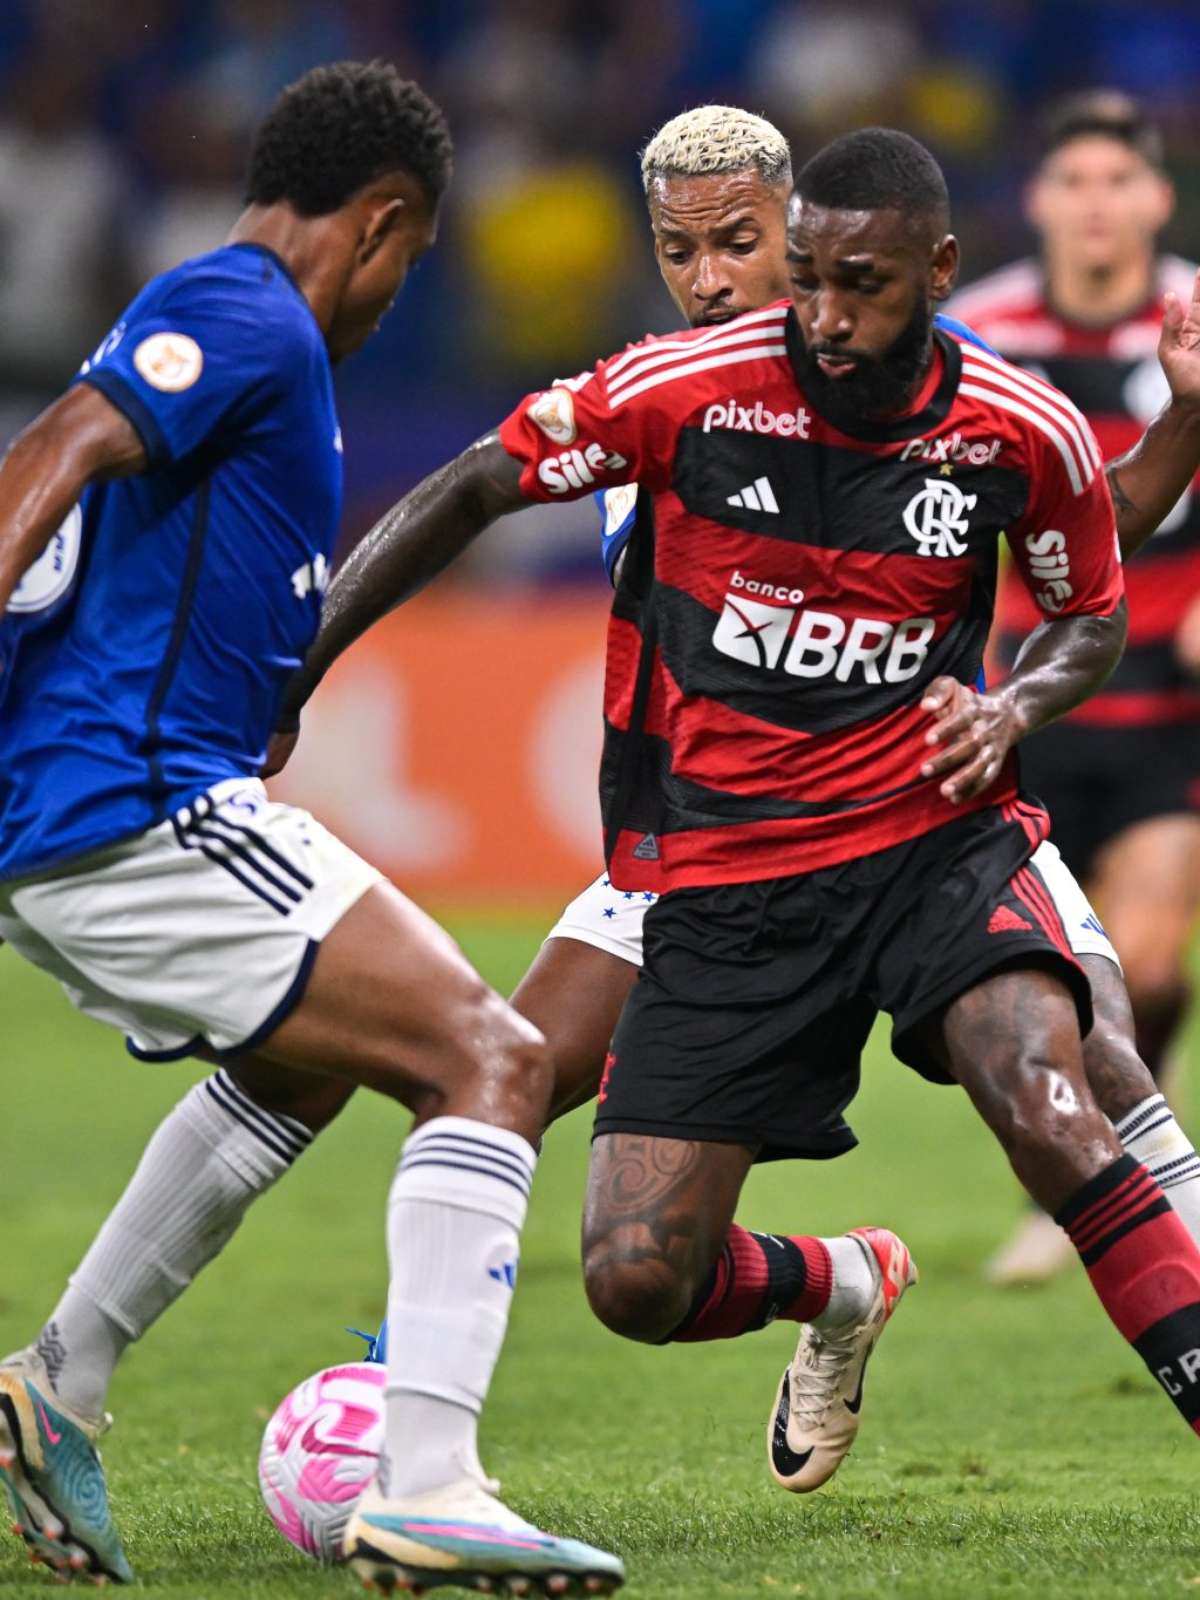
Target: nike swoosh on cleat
854	1404
54	1438
787	1461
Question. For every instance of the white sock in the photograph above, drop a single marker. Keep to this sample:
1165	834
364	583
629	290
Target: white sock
455	1215
215	1153
853	1285
1152	1136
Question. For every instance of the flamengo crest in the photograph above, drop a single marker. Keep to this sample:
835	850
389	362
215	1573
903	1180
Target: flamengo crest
937	518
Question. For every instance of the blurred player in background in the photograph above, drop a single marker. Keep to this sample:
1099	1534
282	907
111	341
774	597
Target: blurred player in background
848	843
165	533
1120	775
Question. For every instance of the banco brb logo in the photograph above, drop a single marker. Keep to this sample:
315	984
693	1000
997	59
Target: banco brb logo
936	516
808	643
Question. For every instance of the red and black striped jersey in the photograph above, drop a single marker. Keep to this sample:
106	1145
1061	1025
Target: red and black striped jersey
1113	375
792	589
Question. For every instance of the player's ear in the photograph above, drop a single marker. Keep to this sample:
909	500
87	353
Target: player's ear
1166	200
1031	202
943	268
381	220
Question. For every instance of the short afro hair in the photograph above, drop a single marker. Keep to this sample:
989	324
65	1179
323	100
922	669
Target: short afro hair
877	169
341	127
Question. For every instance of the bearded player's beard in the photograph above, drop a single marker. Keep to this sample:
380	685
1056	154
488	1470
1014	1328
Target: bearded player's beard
879	386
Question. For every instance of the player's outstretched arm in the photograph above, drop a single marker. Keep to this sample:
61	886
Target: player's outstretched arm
1147	481
80	438
409	545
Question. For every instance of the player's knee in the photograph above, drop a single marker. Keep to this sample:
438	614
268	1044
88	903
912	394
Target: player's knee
1042	1108
639	1299
503	1053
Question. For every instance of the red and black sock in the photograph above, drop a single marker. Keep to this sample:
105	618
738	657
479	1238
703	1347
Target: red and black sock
1146	1269
757	1278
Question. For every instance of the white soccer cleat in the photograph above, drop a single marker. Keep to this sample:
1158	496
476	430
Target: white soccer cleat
463	1536
1037	1251
818	1405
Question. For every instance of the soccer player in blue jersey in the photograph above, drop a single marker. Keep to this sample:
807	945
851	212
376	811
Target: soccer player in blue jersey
166	529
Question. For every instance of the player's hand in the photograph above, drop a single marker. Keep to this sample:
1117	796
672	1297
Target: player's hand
1179	346
1187	639
279	752
974	731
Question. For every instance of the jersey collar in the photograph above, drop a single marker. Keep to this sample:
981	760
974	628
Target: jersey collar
277	260
910	426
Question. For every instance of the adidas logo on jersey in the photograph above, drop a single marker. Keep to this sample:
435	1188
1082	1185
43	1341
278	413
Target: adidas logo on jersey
756	496
1003	920
819	644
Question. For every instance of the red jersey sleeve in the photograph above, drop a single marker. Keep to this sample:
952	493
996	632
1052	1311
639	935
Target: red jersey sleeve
588	433
1065	545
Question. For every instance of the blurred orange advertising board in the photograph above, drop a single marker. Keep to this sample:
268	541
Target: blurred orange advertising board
457	745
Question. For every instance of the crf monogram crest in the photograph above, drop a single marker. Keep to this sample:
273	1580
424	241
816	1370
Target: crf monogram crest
937	518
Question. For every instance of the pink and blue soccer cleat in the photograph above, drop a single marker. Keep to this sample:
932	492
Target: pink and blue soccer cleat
51	1474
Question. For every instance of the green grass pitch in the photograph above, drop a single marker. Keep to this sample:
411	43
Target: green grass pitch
1011	1445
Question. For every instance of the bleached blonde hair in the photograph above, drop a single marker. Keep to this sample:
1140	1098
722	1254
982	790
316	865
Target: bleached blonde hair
712	139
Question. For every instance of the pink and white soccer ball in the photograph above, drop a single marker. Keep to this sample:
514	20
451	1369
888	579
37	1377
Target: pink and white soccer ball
319	1452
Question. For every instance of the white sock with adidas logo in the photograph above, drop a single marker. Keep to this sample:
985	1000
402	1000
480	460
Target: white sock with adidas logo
455	1215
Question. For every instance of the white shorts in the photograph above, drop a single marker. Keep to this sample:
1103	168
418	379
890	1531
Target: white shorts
611	919
201	931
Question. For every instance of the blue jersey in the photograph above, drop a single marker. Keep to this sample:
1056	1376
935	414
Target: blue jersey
144	655
618	507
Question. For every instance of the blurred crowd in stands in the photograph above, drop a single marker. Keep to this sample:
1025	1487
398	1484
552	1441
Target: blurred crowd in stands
124	127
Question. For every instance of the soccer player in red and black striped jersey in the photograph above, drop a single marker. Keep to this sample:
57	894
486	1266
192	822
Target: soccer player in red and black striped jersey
1120	775
797	759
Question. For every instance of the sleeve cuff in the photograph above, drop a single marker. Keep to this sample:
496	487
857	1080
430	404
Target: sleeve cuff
126	399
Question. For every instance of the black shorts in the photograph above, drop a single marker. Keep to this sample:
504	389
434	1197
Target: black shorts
1096	782
748	1022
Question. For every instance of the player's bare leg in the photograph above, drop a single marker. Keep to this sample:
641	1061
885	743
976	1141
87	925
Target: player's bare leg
308	1097
1013	1043
1128	1095
235	1134
1132	1101
393	1004
665	1262
1147	893
574	993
